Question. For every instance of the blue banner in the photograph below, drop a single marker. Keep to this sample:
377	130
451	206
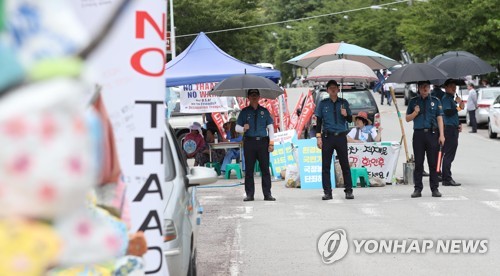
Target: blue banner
310	164
281	157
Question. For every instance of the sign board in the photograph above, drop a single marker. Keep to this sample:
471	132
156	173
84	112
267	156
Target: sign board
310	166
380	159
194	98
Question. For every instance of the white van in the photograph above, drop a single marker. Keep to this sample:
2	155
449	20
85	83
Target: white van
265	65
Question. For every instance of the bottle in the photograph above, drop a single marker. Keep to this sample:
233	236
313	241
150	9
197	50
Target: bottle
216	138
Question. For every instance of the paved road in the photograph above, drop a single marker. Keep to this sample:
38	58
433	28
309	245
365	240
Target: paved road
280	238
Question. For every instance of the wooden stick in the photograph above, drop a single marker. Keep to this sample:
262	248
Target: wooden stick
400	124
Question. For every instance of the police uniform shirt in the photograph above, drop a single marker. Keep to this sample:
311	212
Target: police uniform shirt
450	110
329	112
258	119
430	108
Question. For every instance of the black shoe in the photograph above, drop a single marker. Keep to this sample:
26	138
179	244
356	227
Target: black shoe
416	193
473	131
327	197
248	198
269	198
436	193
349	195
425	173
451	183
440	178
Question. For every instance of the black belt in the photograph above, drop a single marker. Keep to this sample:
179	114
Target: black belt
255	138
426	129
332	133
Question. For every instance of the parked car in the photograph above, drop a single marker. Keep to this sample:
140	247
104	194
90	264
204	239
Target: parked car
463	93
182	213
359	98
485	97
494	119
399	88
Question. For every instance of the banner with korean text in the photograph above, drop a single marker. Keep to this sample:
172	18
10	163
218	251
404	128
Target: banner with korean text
282	156
310	164
380	159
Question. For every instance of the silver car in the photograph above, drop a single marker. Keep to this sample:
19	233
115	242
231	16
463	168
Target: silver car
485	98
494	119
182	213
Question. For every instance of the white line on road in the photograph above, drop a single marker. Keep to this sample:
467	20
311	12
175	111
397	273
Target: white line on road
492	204
432	208
234	261
452	198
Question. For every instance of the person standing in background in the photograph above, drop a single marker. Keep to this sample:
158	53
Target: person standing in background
472	106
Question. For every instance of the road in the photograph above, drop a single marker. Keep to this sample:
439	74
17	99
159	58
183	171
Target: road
280	238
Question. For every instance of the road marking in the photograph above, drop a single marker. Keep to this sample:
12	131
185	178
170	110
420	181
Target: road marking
432	208
244	212
234	261
453	198
371	211
492	204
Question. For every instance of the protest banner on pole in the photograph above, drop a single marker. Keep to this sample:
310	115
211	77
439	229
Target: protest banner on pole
282	156
129	65
310	164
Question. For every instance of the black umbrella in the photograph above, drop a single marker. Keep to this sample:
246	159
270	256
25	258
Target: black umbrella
416	72
460	63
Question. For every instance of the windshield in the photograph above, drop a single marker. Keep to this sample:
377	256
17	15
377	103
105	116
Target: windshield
356	99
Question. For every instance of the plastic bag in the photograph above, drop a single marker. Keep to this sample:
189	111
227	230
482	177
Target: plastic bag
292	176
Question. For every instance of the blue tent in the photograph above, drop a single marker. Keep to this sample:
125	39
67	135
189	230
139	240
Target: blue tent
203	62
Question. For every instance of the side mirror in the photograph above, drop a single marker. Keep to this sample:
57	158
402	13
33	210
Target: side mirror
201	176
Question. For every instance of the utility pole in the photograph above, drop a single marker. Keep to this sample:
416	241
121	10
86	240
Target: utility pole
172	29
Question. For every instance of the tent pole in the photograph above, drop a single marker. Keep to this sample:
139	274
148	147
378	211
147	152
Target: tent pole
400	123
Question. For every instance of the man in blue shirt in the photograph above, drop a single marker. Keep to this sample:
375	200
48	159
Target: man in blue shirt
452	127
428	132
332	115
257	124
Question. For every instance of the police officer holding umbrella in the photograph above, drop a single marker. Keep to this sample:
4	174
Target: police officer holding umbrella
257	124
332	115
428	133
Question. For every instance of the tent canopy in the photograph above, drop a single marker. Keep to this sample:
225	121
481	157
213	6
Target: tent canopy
203	62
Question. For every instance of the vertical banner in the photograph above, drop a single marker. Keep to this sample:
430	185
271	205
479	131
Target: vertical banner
282	156
306	113
310	164
129	65
294	118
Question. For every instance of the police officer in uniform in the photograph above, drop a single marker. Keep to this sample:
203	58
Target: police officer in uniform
332	115
452	127
428	132
256	123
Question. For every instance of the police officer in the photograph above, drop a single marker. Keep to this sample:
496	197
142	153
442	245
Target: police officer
332	115
426	113
257	124
452	127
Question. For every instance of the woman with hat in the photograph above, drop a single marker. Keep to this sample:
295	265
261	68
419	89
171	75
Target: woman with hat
193	142
364	131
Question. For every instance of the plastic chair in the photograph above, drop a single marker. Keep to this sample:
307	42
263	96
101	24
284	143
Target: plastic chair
215	165
236	167
362	174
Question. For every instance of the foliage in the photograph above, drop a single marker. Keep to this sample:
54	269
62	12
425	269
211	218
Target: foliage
425	28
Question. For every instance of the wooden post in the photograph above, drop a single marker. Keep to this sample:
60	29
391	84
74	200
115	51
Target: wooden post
400	124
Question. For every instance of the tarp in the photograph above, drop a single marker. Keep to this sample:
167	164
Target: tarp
203	62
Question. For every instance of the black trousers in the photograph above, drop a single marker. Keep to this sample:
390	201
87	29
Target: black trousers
257	150
425	143
472	119
449	150
339	144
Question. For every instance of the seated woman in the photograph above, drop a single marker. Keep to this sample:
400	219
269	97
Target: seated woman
193	142
232	136
203	156
364	131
